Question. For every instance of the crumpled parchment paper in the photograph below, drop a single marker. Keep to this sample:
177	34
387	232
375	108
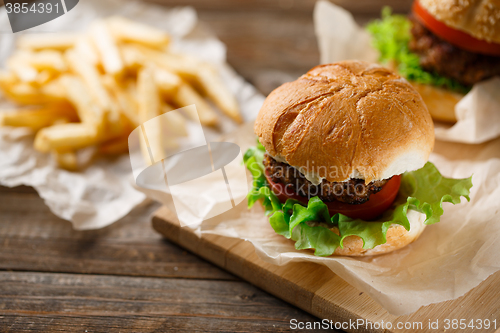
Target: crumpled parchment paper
105	191
341	38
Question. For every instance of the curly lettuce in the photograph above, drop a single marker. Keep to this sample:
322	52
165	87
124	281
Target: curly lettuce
390	36
423	190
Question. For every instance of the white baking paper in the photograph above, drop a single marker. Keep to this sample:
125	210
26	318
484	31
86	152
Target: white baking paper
341	38
451	257
105	191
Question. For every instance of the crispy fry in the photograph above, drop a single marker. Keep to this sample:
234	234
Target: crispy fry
91	90
115	146
38	118
26	94
129	31
66	137
106	48
148	95
66	160
132	58
53	41
186	95
24	71
167	82
43	60
86	49
127	103
192	69
149	108
98	92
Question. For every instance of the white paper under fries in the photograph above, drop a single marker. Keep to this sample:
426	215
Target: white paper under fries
341	38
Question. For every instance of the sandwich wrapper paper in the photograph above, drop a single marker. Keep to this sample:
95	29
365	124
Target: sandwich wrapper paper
341	38
447	261
105	191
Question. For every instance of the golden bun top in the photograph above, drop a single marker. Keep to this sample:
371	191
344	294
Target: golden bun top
478	18
350	119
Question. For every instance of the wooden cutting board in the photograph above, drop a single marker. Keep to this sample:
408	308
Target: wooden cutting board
317	290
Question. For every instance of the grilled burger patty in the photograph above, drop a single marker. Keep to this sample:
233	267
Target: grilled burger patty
437	55
353	191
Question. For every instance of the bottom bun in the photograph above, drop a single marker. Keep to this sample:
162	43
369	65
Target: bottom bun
440	102
397	238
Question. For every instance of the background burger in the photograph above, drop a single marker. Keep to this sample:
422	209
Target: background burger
443	48
341	165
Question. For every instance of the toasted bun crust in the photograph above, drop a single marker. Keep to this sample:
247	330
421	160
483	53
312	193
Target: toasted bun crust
440	102
350	119
397	238
478	18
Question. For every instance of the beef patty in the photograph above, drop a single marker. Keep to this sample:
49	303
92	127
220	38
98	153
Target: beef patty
353	191
437	55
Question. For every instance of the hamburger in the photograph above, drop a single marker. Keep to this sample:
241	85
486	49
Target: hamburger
443	48
341	161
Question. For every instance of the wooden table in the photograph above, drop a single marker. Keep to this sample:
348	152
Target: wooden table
126	277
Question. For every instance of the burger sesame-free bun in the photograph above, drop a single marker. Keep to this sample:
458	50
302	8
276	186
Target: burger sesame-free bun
397	238
478	18
439	101
349	119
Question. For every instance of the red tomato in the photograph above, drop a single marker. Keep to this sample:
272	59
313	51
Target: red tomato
369	210
459	38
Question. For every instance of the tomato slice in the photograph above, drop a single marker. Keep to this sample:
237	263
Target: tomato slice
456	37
369	210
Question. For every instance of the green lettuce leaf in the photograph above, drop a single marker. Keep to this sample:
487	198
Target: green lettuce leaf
390	36
423	190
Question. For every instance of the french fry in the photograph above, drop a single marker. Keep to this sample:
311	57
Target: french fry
43	60
192	69
114	147
128	104
92	89
38	118
66	137
218	92
24	71
26	94
86	49
167	82
149	108
186	95
148	95
98	92
132	58
129	31
89	112
175	124
106	48
56	41
178	65
7	79
66	160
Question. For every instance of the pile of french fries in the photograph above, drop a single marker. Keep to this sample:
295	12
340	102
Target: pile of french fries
93	88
